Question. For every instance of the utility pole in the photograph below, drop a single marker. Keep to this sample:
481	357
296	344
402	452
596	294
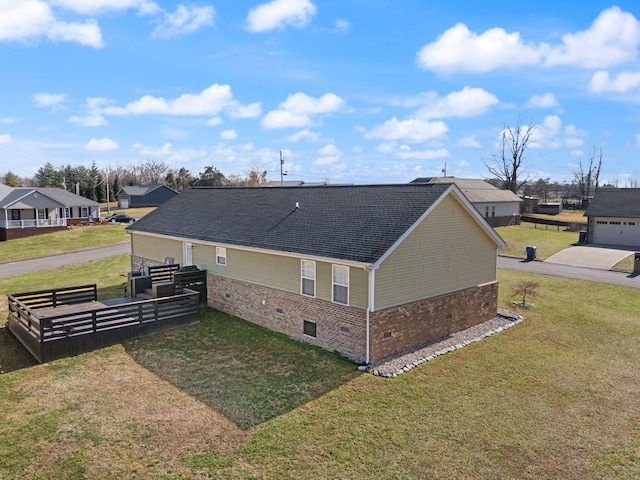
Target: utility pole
108	203
444	170
281	167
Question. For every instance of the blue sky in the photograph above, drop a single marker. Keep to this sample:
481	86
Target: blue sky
360	91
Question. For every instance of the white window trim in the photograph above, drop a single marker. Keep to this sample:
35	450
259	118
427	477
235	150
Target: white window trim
302	277
333	283
221	253
84	212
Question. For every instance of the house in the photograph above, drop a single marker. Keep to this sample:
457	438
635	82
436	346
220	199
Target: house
499	207
144	195
31	211
613	217
367	271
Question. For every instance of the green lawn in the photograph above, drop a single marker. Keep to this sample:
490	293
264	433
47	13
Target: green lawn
548	240
65	241
70	240
554	397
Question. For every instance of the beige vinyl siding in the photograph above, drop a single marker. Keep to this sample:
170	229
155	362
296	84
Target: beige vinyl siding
447	252
155	248
275	271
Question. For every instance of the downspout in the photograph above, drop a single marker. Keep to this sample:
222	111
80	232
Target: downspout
370	308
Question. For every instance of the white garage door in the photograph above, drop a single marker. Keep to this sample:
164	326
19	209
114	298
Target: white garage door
123	203
617	232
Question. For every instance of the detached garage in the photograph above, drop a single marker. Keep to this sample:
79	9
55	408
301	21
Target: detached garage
614	217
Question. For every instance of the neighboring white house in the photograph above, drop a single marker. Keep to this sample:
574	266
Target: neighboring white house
614	217
498	207
31	211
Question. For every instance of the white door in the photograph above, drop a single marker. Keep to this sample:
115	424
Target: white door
124	203
187	254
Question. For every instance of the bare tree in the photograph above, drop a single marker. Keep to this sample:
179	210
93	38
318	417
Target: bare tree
524	288
587	177
507	165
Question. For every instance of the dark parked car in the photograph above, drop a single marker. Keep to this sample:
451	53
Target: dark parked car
120	218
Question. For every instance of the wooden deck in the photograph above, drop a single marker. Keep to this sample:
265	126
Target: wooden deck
58	323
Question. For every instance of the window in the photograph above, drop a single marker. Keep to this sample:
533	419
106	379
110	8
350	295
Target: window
15	214
486	212
308	277
221	255
67	212
309	329
84	212
341	284
493	211
42	214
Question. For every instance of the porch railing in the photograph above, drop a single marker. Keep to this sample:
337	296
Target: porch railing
34	223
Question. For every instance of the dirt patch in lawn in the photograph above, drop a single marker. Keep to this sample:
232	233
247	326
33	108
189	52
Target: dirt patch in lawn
122	415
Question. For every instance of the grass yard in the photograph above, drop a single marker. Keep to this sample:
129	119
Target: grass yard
70	240
548	241
65	241
554	397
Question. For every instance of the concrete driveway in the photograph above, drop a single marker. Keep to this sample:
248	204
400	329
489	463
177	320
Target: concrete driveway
590	257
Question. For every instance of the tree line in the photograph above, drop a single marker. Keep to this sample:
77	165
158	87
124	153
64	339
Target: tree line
96	184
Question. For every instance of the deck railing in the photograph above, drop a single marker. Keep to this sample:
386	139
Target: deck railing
49	335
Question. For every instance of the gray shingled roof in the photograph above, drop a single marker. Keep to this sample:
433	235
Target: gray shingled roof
615	202
138	190
356	223
9	195
475	189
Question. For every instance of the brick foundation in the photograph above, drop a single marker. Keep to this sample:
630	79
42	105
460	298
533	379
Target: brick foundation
399	329
338	328
343	329
13	233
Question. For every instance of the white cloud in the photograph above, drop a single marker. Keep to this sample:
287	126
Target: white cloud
459	49
211	101
612	39
214	121
423	154
330	149
6	138
551	134
622	83
90	7
9	120
89	120
184	20
253	110
29	20
546	100
168	153
342	25
102	145
49	100
305	134
412	130
280	13
228	134
94	117
298	109
468	102
469	141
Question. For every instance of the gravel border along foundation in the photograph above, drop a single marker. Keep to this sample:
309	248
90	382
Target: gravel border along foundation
394	366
